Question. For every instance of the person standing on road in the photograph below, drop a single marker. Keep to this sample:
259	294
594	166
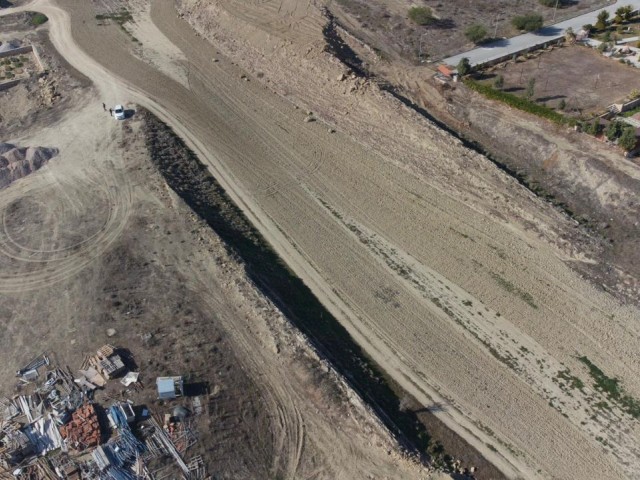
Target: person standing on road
111	112
104	107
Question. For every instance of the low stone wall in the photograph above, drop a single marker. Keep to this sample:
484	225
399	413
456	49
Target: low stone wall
21	50
623	107
9	84
16	51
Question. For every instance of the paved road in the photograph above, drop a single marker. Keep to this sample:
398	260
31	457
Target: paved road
513	45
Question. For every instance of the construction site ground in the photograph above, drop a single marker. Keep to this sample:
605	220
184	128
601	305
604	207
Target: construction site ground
453	277
97	241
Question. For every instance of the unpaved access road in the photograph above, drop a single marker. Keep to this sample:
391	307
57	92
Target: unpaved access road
463	309
96	248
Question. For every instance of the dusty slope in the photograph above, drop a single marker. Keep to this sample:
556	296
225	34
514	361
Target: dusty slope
387	233
96	240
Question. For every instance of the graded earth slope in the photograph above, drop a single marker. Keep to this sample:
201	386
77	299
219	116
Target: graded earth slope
95	248
439	265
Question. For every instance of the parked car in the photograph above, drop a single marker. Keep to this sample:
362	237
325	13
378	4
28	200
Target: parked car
118	112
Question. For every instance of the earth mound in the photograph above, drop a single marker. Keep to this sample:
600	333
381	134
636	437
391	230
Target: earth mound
17	162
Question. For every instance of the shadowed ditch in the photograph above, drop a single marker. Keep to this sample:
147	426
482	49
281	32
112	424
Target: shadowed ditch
411	422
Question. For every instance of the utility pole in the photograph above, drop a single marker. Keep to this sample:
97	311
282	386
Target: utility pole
555	10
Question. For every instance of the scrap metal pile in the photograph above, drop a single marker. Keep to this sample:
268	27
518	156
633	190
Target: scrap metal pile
53	428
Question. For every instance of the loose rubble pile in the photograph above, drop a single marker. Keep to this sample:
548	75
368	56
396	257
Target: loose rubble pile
54	429
17	162
48	91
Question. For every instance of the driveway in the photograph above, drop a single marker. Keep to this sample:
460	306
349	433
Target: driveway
505	47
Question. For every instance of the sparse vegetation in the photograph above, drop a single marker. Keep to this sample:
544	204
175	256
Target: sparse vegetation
570	380
610	386
121	18
39	19
499	82
531	87
421	15
511	288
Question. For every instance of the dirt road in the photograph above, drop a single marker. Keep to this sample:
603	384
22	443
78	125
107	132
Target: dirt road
96	241
467	310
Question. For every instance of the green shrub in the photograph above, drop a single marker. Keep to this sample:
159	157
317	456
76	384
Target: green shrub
528	22
519	103
476	33
38	19
421	15
628	138
613	130
464	67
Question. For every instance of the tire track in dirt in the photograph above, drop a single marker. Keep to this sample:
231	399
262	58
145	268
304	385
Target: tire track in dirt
238	164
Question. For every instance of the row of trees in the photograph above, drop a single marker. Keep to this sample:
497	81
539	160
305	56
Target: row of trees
623	15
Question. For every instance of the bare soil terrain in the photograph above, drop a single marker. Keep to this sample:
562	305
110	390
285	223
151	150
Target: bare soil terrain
385	23
95	248
587	81
42	95
447	271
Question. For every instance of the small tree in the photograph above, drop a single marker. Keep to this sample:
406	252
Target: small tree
499	82
476	33
528	22
531	87
588	28
421	15
603	20
628	138
464	67
623	14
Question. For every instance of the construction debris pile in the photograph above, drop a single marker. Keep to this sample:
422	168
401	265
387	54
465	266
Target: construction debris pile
83	431
53	428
